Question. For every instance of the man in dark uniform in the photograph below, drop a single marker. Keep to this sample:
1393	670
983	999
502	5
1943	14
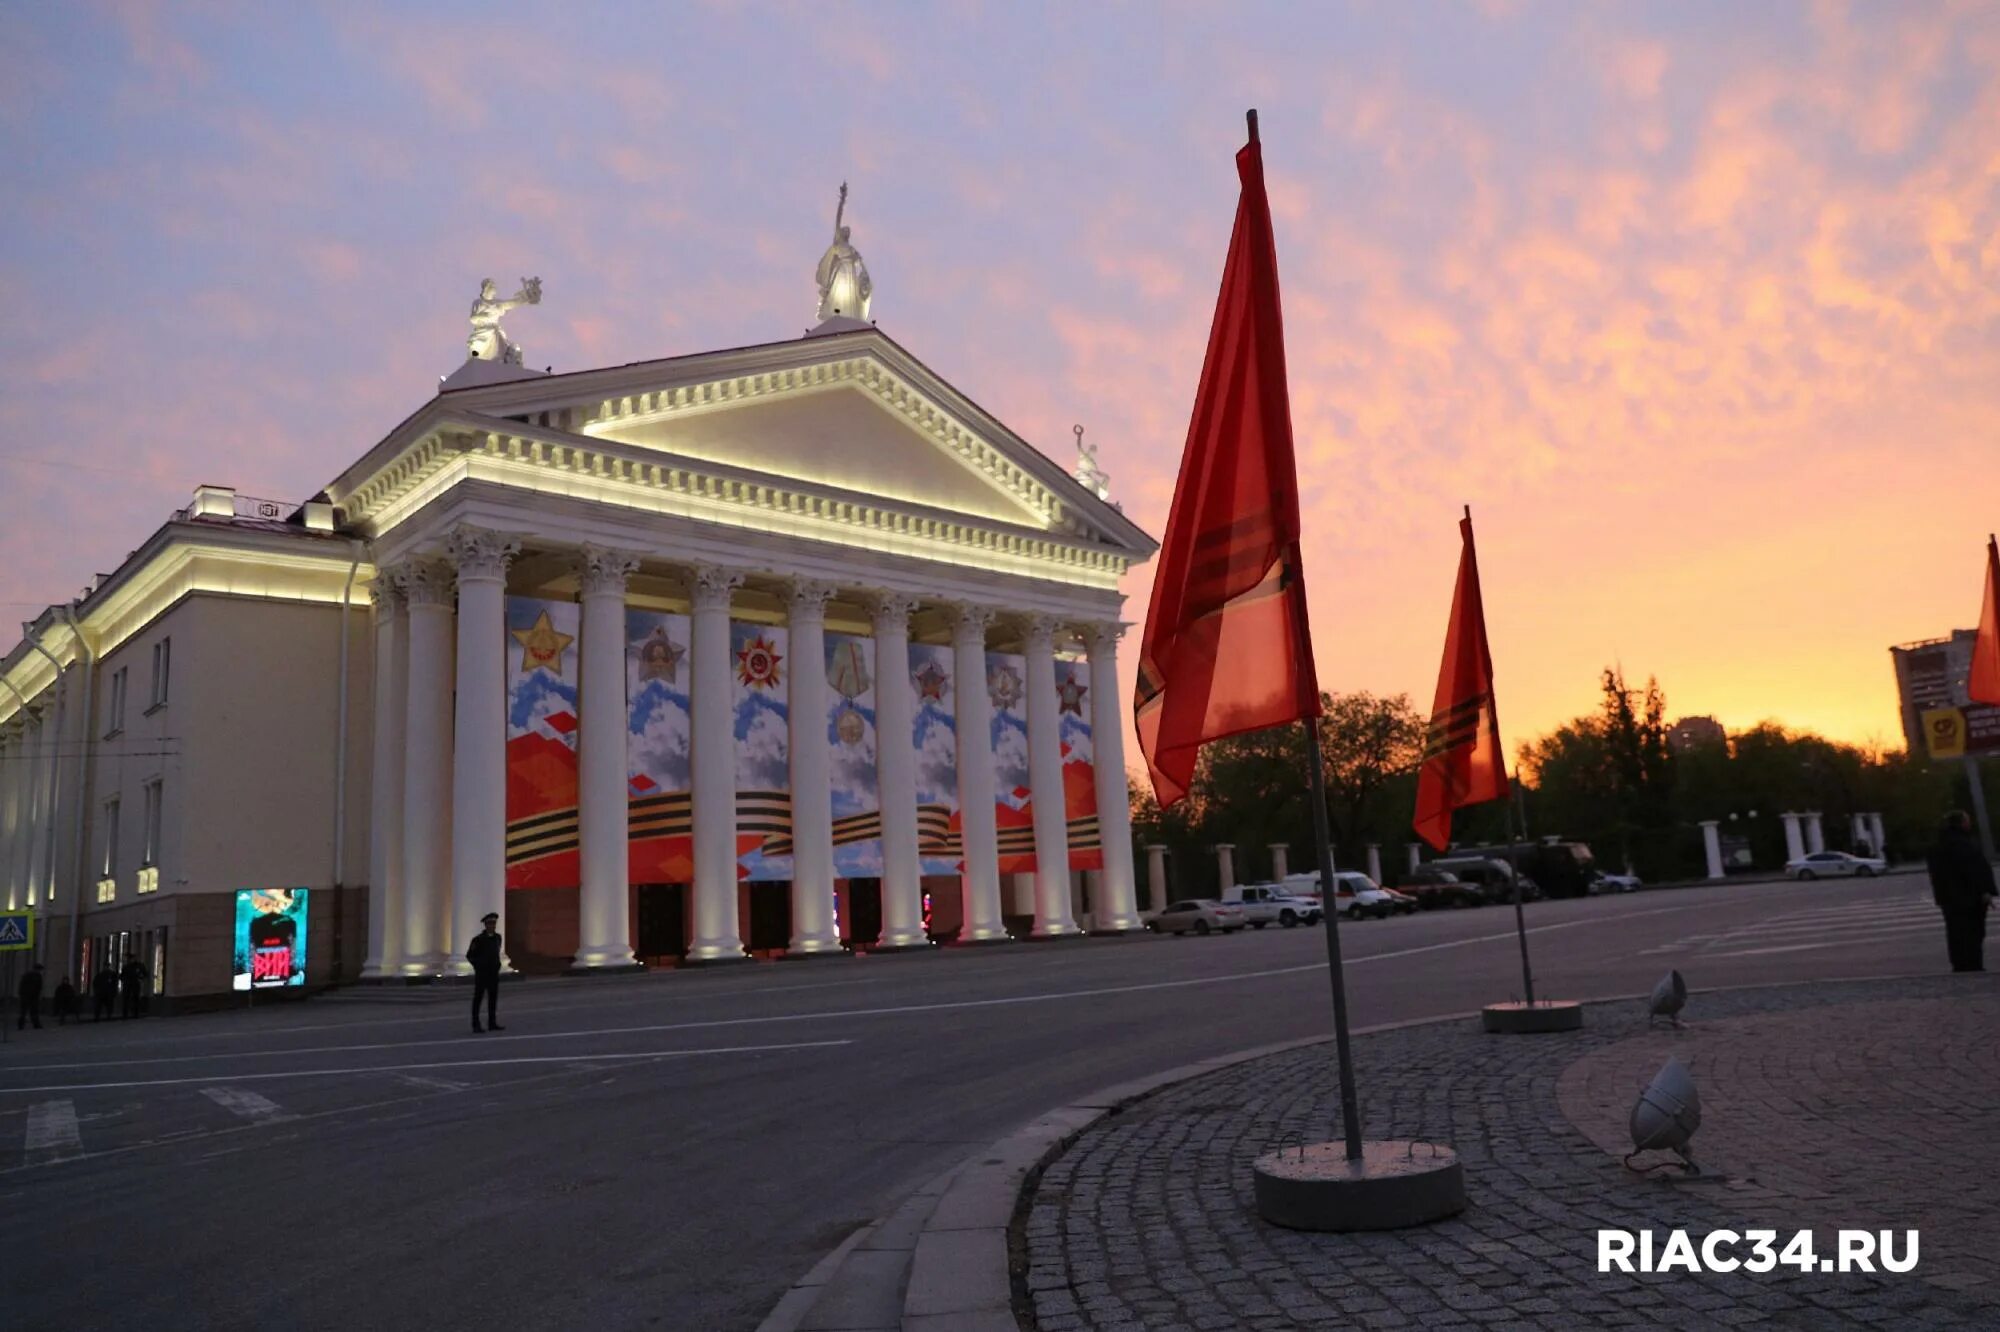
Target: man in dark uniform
1962	884
132	981
30	993
484	955
104	991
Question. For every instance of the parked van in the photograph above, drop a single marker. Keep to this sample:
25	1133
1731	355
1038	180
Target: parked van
1494	876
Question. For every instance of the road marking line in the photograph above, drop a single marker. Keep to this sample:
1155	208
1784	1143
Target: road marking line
432	1084
394	1068
52	1133
893	1010
236	1101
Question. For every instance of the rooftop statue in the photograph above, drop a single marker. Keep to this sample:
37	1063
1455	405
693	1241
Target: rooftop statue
844	288
487	342
1088	474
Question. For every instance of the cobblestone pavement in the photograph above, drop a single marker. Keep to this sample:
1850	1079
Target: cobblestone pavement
1855	1105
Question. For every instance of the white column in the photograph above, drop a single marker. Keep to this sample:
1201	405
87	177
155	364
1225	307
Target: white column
813	929
1156	877
712	741
385	791
1119	911
979	831
479	737
1711	845
43	849
1795	847
896	773
1876	838
9	783
1225	866
1281	853
1045	784
1021	894
604	932
1815	839
427	754
1415	854
1375	862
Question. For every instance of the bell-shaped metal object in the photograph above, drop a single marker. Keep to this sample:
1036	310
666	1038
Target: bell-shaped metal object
1667	1114
1669	997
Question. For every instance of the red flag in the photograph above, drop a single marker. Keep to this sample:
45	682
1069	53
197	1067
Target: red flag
1463	762
1983	685
1229	570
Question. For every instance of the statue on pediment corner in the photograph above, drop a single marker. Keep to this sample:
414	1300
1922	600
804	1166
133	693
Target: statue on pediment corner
487	342
1087	473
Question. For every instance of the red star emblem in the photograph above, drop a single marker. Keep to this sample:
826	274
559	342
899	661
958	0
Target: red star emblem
1070	693
757	663
930	683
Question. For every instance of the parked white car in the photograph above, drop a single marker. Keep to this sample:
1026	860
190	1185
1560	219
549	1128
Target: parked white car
1268	903
1201	915
1835	865
1615	883
1358	895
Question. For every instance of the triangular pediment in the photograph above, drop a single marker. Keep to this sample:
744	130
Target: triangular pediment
849	418
840	436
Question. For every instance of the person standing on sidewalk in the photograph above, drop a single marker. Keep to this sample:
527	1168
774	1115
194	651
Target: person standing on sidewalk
1962	885
65	1001
104	993
29	991
484	955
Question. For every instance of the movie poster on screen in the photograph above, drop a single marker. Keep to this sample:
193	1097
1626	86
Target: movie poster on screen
1079	763
1013	799
761	668
850	722
935	736
658	747
270	949
541	743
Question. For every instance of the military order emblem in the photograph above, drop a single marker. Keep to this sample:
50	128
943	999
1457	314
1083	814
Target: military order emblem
659	657
1070	694
930	682
1003	683
847	673
542	647
757	663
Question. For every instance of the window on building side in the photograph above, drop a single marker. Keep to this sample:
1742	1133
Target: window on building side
150	854
116	720
163	654
111	838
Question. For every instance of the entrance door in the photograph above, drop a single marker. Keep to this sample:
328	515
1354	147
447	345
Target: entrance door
662	921
770	916
863	923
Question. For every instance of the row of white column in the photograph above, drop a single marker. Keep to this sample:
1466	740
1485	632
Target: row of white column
438	851
27	779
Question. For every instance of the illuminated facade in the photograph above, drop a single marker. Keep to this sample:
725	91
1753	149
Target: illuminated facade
573	608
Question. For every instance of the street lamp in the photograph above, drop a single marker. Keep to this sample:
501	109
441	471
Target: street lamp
1669	997
1666	1116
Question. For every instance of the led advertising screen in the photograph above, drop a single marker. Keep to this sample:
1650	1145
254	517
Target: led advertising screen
270	938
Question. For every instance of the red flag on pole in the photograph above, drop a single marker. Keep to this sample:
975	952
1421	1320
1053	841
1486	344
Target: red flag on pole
1463	762
1983	685
1229	569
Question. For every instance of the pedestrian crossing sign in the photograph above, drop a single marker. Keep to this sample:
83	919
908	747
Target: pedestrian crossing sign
17	931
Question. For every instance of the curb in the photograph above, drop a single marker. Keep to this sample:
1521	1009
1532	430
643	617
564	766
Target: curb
960	1276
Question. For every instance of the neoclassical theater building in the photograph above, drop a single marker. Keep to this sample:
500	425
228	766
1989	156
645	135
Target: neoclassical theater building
777	650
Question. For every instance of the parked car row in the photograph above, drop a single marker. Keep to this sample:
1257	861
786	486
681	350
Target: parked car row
1295	901
1835	865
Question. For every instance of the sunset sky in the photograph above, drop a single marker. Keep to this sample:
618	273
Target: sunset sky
1697	305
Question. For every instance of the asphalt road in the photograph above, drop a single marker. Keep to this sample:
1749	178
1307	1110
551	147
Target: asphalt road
672	1151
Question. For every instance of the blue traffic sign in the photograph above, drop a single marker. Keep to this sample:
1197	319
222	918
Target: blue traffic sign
17	931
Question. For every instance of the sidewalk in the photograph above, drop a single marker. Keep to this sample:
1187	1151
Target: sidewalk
1838	1105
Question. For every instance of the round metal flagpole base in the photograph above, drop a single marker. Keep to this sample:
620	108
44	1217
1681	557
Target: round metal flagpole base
1395	1184
1519	1019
